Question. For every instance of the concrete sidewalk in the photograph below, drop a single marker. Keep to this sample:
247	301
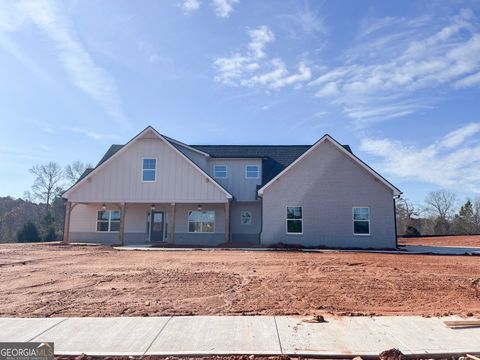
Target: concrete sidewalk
262	335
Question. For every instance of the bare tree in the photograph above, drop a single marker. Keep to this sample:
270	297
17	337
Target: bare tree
75	170
406	214
476	214
441	205
48	181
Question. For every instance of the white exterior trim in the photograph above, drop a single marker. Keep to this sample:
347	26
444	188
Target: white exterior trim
287	219
258	172
220	177
353	220
396	192
148	128
156	167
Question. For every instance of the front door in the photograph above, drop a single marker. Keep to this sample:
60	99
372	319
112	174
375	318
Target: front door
157	225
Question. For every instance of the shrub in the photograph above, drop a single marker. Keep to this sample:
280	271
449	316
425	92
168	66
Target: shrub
51	235
28	233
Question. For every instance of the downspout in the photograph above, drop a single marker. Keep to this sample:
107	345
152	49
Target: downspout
395	220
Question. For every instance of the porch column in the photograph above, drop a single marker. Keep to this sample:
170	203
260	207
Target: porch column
227	222
66	226
121	236
173	223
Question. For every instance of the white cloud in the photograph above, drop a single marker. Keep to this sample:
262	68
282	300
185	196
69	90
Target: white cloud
223	8
452	162
80	66
189	6
255	68
304	21
91	134
45	147
398	66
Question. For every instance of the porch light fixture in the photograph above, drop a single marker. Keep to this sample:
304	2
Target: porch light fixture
199	207
104	207
152	207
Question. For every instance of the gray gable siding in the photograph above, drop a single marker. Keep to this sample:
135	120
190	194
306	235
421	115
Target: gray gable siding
327	184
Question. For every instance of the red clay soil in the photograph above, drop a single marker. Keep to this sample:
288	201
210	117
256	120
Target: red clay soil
54	280
460	240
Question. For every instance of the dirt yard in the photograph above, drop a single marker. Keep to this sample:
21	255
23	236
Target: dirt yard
56	280
461	241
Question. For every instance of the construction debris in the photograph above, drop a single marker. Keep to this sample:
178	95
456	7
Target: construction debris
315	320
473	357
460	324
392	354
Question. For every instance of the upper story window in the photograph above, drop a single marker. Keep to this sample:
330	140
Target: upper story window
361	221
108	220
252	172
220	171
149	170
294	220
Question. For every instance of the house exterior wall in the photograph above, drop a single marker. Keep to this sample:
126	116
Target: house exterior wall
236	183
83	224
120	179
199	159
245	233
327	183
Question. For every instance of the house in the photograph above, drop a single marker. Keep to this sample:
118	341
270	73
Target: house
155	189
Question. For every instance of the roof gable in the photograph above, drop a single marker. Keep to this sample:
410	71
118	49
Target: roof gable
341	148
116	150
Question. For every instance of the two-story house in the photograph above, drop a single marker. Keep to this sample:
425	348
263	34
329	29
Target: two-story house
155	189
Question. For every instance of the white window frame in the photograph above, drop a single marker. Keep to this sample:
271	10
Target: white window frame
143	170
258	171
215	169
201	232
109	221
353	220
287	220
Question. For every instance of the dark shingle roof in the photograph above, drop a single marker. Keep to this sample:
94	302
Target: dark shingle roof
275	158
110	152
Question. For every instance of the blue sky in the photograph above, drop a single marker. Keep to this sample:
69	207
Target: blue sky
398	81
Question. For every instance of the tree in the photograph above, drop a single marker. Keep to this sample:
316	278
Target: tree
464	222
406	213
28	233
476	215
75	170
48	181
440	204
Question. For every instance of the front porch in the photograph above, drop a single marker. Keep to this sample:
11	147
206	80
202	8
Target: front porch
205	224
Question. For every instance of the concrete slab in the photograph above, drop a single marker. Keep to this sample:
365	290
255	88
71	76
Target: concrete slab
19	330
104	336
442	250
337	337
430	335
220	335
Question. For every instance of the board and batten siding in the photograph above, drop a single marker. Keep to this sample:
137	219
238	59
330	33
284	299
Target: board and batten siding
328	184
120	179
236	183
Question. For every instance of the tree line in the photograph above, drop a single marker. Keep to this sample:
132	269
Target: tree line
39	215
438	215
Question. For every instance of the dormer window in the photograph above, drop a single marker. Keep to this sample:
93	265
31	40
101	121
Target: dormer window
252	172
149	170
220	171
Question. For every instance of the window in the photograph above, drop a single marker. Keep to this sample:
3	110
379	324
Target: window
294	220
246	217
201	221
108	220
149	170
220	171
252	172
361	221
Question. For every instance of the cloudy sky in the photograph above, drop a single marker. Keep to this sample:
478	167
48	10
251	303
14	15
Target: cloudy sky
398	81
